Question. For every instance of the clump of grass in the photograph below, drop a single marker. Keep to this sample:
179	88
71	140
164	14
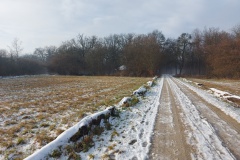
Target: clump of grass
78	147
20	140
134	100
154	83
108	126
147	86
114	133
64	120
40	117
80	114
55	153
111	147
8	144
52	127
44	125
71	153
116	113
8	123
59	131
13	130
131	102
26	117
97	130
105	156
90	156
69	149
74	156
87	143
42	138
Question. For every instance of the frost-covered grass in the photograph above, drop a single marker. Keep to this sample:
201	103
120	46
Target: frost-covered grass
227	89
125	135
35	110
231	86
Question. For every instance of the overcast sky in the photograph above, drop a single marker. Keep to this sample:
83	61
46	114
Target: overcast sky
40	23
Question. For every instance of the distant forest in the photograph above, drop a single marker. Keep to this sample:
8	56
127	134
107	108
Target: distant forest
210	52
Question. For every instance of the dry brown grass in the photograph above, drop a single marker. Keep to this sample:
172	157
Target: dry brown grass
231	86
39	108
228	85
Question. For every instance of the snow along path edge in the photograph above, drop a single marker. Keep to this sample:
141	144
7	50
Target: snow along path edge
226	108
208	144
66	136
134	125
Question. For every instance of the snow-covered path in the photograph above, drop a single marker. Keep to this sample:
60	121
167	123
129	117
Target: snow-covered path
191	122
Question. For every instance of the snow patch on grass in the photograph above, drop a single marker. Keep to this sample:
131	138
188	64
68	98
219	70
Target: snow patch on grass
128	135
225	107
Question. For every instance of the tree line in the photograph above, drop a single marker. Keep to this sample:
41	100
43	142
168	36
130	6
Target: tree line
210	52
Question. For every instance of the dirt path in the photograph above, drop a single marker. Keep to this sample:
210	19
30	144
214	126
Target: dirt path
189	127
223	125
169	141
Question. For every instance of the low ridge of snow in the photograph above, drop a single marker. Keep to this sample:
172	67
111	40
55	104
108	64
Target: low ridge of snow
129	138
65	136
223	94
225	107
140	91
124	100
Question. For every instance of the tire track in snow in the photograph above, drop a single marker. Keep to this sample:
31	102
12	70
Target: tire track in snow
203	138
169	140
224	126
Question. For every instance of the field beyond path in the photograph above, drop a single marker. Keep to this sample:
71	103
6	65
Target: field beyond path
34	110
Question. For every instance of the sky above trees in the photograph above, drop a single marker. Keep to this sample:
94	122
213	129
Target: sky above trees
39	23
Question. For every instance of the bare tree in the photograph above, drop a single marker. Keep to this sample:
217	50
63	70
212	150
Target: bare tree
184	44
3	53
41	54
16	48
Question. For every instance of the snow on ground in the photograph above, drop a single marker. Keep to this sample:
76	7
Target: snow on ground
130	133
35	110
223	94
203	136
225	107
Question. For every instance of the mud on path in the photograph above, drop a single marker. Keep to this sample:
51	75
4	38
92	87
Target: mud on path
189	127
169	141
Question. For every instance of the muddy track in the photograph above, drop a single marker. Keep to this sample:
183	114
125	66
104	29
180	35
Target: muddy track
224	126
189	127
169	139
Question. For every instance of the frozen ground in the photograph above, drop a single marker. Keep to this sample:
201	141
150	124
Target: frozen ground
174	120
129	136
34	110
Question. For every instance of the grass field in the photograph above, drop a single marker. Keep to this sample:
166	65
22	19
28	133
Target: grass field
227	85
35	110
231	86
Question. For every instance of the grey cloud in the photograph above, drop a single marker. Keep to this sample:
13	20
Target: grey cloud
49	22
